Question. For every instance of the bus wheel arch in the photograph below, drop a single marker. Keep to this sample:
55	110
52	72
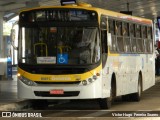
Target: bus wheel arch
141	75
106	103
113	85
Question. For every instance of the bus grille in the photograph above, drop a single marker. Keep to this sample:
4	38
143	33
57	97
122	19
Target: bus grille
45	83
47	94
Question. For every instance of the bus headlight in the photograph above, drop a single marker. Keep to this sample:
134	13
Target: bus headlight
90	80
94	77
84	82
27	81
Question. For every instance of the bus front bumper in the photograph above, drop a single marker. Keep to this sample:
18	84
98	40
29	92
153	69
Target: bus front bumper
71	91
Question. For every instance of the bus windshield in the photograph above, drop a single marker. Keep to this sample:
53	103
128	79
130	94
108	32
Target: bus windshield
59	45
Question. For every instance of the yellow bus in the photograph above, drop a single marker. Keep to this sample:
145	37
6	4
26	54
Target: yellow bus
82	52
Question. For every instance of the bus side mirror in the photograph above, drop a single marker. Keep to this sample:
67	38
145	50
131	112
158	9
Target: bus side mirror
13	33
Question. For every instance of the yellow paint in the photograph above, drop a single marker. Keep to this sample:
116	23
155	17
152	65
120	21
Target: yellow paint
112	54
116	64
59	78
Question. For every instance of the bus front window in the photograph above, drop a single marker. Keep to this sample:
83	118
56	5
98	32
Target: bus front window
59	45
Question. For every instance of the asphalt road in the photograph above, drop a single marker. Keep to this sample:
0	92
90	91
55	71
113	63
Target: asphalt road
149	106
147	109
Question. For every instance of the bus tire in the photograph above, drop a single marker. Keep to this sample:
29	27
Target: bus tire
137	96
126	98
106	103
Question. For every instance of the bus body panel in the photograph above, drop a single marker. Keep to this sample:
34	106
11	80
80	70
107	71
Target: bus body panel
91	91
127	68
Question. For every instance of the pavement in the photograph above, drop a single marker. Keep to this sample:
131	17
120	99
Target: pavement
157	78
8	95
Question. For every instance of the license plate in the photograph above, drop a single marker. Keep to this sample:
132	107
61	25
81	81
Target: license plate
57	92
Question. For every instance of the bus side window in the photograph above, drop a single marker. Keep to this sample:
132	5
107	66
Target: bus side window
132	36
139	38
149	40
144	35
119	28
138	31
127	44
144	32
111	24
120	41
149	32
103	26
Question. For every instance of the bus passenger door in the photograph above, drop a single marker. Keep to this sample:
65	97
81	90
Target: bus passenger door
103	30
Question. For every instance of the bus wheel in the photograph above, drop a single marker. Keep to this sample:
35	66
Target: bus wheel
39	104
106	103
126	98
136	96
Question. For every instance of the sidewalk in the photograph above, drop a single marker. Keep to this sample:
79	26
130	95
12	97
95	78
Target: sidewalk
8	96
